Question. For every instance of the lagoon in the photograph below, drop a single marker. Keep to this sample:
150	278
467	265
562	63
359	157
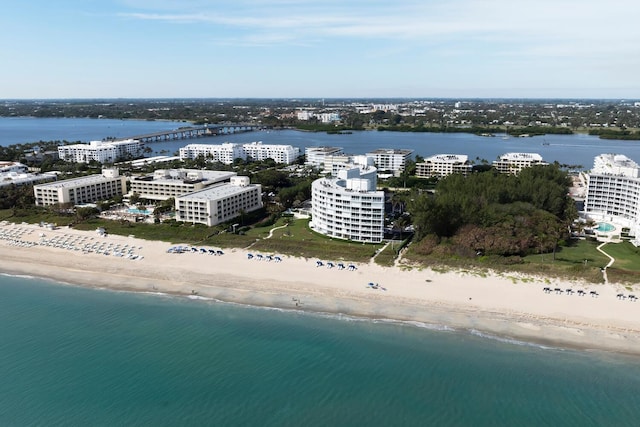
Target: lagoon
20	130
577	149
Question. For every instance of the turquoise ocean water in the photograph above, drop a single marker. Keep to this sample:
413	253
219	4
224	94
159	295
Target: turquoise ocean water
71	356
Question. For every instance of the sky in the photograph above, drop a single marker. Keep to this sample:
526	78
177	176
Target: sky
320	49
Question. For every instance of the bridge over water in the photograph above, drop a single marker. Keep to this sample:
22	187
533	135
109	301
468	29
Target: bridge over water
194	132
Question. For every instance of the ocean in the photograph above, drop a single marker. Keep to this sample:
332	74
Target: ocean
72	356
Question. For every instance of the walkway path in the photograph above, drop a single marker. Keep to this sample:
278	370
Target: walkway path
604	269
269	236
373	258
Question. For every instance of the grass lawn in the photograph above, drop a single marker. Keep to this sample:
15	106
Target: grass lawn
297	239
35	216
575	254
568	264
626	268
626	255
175	232
388	256
578	261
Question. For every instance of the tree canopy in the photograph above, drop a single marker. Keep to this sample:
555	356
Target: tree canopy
496	213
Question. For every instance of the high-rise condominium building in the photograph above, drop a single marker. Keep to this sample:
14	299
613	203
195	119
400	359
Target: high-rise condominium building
613	192
348	207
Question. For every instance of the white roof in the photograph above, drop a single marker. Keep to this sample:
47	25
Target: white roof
521	156
615	164
326	150
404	152
215	192
83	180
181	175
448	158
211	146
156	159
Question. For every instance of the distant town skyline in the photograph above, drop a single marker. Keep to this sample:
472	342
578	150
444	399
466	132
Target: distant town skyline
329	49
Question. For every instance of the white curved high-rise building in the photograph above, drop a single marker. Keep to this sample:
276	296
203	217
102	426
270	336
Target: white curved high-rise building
348	207
613	192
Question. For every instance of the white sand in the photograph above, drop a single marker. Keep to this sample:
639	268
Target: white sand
493	304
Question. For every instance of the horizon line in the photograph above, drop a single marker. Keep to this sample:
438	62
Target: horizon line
319	98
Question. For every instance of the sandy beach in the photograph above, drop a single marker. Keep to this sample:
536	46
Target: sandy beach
500	305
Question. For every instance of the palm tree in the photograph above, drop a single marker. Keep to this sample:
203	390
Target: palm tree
242	212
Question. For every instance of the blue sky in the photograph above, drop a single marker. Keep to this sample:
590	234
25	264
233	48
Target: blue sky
320	49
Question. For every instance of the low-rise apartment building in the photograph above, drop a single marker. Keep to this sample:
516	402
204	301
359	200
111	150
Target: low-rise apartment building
286	154
316	156
226	153
77	191
101	151
166	183
442	165
390	160
513	163
219	203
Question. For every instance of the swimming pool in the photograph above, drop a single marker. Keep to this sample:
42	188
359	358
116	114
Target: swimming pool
605	227
139	211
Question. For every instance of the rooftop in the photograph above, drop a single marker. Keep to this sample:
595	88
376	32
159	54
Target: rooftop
170	176
403	152
615	164
101	144
217	191
448	158
210	146
521	156
83	180
326	150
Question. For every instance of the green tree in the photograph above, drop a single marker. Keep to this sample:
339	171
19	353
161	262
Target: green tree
84	213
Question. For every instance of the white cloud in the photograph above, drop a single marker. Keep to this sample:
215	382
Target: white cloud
543	28
401	17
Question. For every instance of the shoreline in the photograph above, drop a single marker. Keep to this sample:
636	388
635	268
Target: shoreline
494	306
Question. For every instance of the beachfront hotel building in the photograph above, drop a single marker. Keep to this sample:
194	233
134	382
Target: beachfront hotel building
348	206
166	183
513	163
392	160
101	151
226	153
613	193
442	165
77	191
219	203
316	156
